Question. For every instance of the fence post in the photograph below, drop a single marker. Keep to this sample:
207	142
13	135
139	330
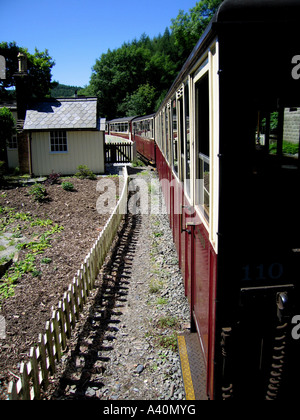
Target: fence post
133	150
67	312
62	324
35	373
43	361
50	347
25	382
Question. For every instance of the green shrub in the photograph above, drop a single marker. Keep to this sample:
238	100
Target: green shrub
67	186
2	171
85	173
38	192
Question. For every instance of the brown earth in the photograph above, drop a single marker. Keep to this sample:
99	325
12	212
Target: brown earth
37	291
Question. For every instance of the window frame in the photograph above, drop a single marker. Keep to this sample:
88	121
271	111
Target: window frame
58	135
13	142
200	192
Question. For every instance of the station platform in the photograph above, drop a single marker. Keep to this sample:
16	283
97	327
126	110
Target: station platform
192	366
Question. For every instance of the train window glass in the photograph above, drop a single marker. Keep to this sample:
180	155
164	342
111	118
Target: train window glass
175	136
187	141
181	137
277	135
163	133
202	139
167	134
151	122
158	130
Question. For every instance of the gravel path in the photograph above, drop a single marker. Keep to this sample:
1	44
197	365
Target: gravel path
124	347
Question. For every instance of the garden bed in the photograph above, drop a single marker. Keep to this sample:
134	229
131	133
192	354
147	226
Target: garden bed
59	233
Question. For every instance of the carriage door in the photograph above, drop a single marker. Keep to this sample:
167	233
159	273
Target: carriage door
201	245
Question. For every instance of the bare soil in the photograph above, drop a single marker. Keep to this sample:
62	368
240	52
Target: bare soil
35	293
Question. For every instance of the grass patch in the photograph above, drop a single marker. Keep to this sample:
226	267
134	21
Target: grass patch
168	322
169	342
155	286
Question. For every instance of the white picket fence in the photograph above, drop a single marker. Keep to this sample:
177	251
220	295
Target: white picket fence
34	375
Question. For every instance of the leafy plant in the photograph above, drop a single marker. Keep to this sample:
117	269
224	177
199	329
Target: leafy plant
85	173
38	192
46	260
169	342
40	222
38	247
167	322
67	186
158	234
2	172
288	148
53	178
155	286
56	229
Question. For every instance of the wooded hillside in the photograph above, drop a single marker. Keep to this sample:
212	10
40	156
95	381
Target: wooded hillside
133	79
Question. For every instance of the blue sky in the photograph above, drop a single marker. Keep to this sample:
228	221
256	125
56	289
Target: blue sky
76	33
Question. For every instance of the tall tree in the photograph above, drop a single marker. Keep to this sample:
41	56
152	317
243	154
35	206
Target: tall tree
141	102
39	64
7	129
123	78
187	28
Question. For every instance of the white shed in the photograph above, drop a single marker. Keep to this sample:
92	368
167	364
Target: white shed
63	134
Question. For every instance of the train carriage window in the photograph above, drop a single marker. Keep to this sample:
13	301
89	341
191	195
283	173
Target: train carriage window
167	134
175	136
187	141
181	137
150	132
143	128
163	133
277	136
202	138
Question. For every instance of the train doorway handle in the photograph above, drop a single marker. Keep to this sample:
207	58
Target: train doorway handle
282	301
189	224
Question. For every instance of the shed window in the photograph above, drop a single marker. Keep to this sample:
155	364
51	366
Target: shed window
58	142
13	142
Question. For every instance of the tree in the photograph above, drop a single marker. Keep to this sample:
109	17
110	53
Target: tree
118	74
187	28
123	78
65	91
141	102
7	129
39	65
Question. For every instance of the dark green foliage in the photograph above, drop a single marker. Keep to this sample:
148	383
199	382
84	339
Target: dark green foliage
38	192
188	27
133	80
85	173
64	91
2	172
39	66
67	186
7	129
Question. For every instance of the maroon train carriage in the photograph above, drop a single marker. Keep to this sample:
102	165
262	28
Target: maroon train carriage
120	127
227	139
143	134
